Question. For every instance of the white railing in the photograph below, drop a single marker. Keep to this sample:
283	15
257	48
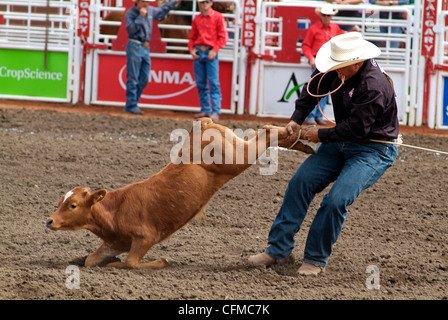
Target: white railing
390	28
176	48
438	106
25	24
101	13
43	30
395	46
179	44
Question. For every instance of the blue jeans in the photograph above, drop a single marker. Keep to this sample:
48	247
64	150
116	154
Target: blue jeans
316	114
138	65
205	69
352	167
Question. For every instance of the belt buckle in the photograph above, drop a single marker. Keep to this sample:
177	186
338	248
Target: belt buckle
145	44
203	48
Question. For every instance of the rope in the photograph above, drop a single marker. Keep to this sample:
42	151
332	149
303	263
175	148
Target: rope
322	95
400	143
297	140
318	85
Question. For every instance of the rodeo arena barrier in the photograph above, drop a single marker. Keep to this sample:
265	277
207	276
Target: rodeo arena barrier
73	51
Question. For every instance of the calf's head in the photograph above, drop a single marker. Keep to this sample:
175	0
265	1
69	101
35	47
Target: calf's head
74	209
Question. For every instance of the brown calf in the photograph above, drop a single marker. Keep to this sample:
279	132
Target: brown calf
136	217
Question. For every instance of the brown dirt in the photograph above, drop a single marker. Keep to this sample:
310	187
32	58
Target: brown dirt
399	225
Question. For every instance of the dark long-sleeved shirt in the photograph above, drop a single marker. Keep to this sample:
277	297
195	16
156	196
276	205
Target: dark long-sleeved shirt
139	27
364	107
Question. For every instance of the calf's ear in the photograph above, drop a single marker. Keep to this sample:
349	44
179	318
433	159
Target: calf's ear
97	196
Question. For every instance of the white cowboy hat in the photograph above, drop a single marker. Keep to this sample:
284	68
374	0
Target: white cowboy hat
327	9
344	50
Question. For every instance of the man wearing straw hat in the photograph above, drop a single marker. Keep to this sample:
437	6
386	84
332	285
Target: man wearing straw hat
365	109
139	26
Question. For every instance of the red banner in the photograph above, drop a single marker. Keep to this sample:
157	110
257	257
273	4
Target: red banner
293	31
429	22
84	18
171	82
249	12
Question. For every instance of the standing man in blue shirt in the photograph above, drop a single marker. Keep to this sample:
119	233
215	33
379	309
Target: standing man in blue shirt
139	26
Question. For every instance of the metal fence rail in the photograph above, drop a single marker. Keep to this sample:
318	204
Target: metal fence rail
27	23
37	49
284	24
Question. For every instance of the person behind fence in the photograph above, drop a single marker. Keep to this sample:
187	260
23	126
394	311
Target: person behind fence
207	36
350	14
395	16
139	20
317	34
365	109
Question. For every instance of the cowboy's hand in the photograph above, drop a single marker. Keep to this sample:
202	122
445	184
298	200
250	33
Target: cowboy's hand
211	55
291	127
194	54
143	11
311	134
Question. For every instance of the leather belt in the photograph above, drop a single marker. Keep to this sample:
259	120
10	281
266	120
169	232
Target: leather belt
204	48
370	141
144	44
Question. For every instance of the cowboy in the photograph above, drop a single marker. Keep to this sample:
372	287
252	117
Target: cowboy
364	108
139	27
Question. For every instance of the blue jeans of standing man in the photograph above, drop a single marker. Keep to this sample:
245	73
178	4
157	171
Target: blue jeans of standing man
205	69
138	65
352	167
316	114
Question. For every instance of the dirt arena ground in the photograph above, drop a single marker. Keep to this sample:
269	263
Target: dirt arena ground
400	225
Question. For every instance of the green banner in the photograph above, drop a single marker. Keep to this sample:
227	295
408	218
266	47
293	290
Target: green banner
22	73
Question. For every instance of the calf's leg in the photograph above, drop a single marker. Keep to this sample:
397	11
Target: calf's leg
102	253
139	248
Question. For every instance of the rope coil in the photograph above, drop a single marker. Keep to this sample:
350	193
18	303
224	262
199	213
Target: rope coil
317	95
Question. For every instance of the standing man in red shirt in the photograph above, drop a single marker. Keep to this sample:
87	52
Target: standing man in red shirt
207	36
319	33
